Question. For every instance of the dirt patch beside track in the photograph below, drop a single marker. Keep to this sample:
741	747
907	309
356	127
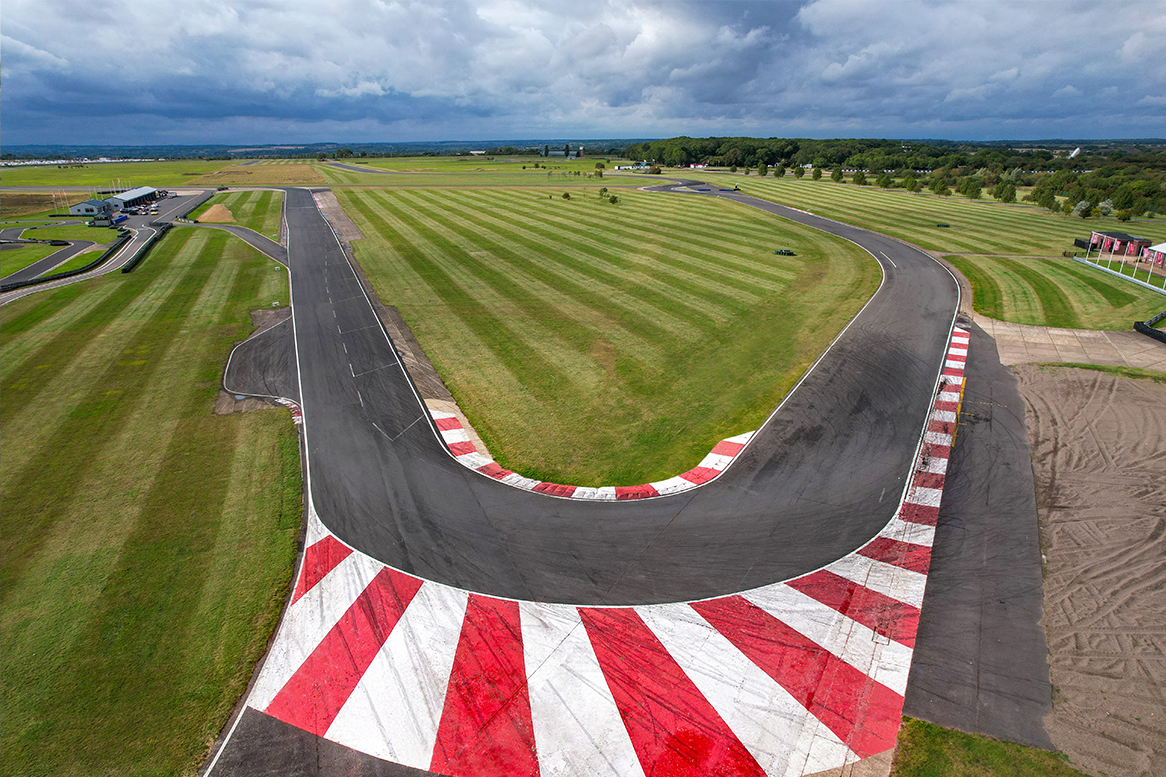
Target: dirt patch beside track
1099	460
217	214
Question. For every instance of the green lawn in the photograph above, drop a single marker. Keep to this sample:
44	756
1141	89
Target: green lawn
975	226
1054	292
592	343
72	232
77	262
1129	270
927	750
479	171
14	259
258	210
147	543
164	174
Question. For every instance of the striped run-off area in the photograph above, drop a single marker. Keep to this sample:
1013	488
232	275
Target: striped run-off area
788	679
455	437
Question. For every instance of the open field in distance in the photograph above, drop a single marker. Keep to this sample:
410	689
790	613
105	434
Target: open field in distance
257	210
147	543
480	171
303	173
166	174
975	226
1055	291
600	344
29	205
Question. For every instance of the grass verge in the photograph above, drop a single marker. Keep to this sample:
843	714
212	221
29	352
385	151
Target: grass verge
257	210
71	232
147	543
77	262
927	750
1054	292
14	259
1122	372
600	344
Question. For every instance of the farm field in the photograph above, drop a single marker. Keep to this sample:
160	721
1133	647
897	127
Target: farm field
14	259
164	174
301	174
975	226
147	543
30	205
1054	291
257	210
600	344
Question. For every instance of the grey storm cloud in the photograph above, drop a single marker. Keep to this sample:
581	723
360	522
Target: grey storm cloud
374	70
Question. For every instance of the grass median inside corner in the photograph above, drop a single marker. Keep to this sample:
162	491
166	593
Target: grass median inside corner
147	543
260	211
593	343
927	750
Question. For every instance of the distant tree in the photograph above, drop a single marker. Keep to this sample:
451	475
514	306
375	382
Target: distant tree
567	150
779	171
1083	209
1004	191
1105	207
600	166
884	181
344	153
1065	207
970	188
859	178
836	176
799	171
613	199
546	150
654	170
732	168
817	174
762	169
1123	215
566	195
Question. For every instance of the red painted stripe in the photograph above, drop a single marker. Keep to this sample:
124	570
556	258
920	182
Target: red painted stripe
727	448
700	475
907	555
878	612
445	424
943	427
953	372
462	448
493	470
952	407
674	729
928	480
555	489
860	711
312	698
912	513
635	492
485	725
319	559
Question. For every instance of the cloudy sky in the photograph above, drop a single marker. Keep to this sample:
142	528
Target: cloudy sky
276	71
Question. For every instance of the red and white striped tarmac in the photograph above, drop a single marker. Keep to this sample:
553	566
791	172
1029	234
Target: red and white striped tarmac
788	679
455	437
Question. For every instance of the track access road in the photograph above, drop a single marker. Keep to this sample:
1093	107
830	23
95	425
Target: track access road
822	476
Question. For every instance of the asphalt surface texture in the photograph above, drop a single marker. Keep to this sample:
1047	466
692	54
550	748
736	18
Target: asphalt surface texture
821	477
55	259
981	659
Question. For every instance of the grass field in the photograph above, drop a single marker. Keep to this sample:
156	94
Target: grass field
157	174
592	343
926	750
1137	272
147	543
77	262
1054	292
480	171
301	174
26	204
96	234
975	226
14	259
257	210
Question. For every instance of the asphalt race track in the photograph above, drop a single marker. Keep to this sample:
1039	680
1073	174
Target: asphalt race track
822	476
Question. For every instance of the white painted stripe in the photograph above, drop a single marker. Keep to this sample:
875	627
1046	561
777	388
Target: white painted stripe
948	396
314	531
441	415
673	485
900	584
936	464
585	492
948	416
953	364
604	494
906	531
395	710
928	497
309	620
577	725
474	460
952	380
455	435
885	660
937	438
514	479
716	461
953	351
776	729
741	438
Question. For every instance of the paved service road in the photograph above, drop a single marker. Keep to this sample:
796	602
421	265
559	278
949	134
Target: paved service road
821	477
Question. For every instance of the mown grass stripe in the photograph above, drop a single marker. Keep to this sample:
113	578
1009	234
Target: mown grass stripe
1109	291
986	294
508	346
1057	309
39	491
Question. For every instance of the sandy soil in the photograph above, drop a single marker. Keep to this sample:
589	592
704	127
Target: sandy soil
217	214
1099	459
330	206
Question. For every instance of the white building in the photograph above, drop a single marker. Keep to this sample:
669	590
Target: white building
89	208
